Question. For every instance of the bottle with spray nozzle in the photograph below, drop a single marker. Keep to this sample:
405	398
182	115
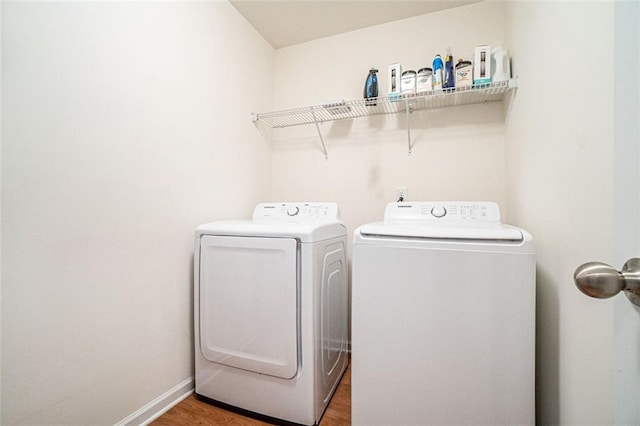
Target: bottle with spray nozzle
437	73
371	88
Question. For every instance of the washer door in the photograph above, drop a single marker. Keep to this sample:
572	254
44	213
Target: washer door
248	303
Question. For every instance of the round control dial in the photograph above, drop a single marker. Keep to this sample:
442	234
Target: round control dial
438	211
293	210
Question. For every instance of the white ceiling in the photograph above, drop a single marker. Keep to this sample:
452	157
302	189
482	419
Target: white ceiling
286	22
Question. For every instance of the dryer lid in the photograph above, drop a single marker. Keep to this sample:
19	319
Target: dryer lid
301	212
307	222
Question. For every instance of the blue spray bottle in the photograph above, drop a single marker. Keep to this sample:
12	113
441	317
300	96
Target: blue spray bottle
371	88
437	73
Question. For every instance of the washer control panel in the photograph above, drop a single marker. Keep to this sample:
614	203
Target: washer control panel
279	212
443	211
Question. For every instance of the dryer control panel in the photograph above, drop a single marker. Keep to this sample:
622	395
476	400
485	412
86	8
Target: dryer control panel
295	212
442	211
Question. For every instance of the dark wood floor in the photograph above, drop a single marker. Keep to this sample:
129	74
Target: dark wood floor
194	412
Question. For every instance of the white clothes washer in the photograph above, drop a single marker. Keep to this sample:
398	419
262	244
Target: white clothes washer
443	318
271	311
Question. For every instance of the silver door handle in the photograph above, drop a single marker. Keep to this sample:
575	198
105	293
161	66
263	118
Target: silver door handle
597	279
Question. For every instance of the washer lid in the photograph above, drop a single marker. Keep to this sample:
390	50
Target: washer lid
460	232
459	220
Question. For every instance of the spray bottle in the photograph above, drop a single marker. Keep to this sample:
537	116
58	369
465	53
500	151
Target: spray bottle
437	73
371	88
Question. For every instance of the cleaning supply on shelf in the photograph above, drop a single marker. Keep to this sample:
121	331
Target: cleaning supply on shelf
482	65
502	68
424	80
371	88
437	73
464	73
408	84
449	79
395	75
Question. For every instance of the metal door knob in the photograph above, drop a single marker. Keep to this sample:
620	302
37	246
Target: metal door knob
599	280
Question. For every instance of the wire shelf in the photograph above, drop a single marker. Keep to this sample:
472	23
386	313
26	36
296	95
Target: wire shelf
340	110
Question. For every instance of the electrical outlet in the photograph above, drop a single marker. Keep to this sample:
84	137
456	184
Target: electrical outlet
402	193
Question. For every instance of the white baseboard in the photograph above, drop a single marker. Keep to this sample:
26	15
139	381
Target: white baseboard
160	405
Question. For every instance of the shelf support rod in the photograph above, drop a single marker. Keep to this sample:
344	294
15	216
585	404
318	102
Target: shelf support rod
408	111
315	121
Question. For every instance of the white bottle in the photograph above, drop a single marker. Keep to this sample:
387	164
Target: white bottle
502	69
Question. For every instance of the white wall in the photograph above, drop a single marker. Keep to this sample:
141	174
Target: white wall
125	125
560	177
458	154
627	211
0	214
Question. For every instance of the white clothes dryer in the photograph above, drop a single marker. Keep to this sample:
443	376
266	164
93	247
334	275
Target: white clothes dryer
443	318
271	311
